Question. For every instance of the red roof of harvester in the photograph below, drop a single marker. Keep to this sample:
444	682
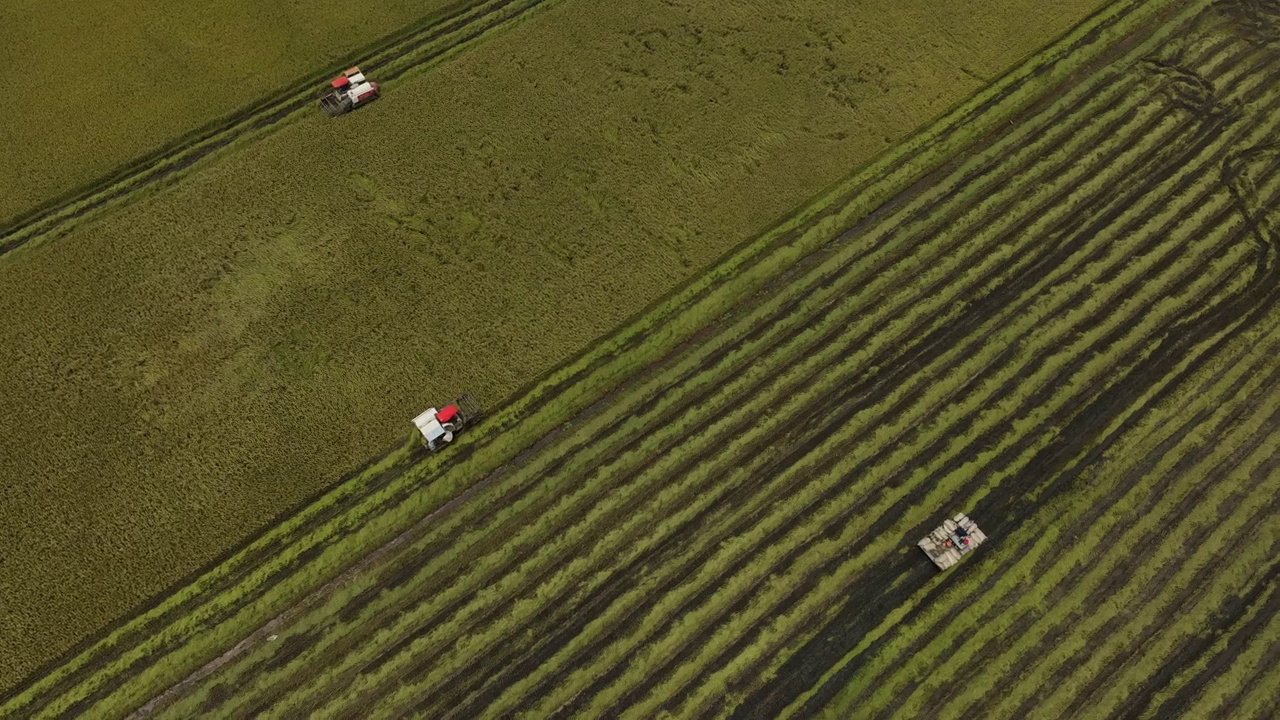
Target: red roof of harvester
447	413
340	81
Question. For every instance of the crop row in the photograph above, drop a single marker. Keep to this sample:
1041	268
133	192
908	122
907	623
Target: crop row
1160	542
964	622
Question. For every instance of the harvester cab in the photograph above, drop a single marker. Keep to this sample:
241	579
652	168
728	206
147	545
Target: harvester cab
347	92
952	540
438	427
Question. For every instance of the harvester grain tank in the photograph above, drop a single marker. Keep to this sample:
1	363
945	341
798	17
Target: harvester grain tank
438	427
347	92
952	540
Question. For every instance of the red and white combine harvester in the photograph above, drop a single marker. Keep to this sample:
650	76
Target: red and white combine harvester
438	426
347	92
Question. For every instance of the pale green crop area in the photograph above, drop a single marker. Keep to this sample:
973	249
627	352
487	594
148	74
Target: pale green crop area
103	82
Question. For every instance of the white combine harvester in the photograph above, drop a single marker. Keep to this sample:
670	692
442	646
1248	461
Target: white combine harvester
952	540
438	426
347	92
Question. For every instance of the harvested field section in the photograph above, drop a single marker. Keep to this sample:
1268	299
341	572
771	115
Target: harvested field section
240	345
1068	331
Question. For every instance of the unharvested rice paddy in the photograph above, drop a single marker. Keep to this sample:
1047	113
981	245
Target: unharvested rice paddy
197	349
1054	310
102	83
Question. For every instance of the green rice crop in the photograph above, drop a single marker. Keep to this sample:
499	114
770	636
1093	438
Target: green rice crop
1046	310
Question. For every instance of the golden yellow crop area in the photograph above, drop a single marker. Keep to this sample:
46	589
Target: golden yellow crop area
95	84
182	370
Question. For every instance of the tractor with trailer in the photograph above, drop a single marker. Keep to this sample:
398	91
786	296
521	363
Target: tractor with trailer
952	540
347	92
438	427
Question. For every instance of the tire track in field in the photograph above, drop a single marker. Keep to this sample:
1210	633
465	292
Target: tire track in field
839	679
470	19
1229	710
1202	358
1105	677
1226	619
1119	578
976	661
1119	575
1016	664
1219	664
1267	301
1182	509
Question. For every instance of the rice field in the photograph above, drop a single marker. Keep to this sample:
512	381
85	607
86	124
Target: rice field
196	349
105	83
1055	310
